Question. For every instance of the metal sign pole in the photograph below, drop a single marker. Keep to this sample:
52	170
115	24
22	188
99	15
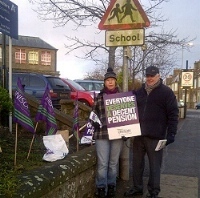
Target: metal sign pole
185	106
124	158
4	61
10	81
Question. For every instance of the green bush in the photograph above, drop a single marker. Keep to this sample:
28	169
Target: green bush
6	104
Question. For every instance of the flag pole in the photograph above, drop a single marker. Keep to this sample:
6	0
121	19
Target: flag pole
16	129
76	122
79	130
83	127
32	141
77	141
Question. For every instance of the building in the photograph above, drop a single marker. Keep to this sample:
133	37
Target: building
30	54
192	94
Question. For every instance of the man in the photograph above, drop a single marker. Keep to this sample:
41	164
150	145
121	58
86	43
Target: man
158	116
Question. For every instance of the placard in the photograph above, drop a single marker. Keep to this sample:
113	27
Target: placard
121	115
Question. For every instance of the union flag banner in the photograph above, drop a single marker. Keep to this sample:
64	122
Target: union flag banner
21	110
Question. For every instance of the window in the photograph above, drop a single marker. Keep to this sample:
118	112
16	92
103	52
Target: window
98	86
195	83
0	53
46	58
176	86
198	81
20	56
36	81
33	57
86	85
23	77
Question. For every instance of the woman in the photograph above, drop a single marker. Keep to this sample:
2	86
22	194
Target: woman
108	151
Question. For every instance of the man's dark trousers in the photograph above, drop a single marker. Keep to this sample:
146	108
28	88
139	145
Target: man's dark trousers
144	145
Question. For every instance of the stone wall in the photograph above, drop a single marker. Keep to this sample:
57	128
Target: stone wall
64	117
72	177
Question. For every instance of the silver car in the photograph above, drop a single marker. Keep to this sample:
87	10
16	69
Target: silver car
91	85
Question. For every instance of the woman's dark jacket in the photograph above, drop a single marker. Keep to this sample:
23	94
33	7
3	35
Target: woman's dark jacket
99	109
158	111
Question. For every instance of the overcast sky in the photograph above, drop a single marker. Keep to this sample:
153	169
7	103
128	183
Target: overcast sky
182	14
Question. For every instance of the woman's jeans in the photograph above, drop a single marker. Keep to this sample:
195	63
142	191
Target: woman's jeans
108	152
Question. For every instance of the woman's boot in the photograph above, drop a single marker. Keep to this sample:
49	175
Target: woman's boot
101	192
111	191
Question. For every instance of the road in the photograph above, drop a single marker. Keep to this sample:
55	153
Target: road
181	163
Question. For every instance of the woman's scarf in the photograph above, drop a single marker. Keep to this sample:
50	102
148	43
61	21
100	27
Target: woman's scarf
107	91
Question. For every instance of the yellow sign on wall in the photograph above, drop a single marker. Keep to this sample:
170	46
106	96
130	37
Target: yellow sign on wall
125	38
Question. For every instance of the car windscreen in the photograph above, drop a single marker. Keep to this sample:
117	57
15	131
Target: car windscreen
86	85
91	85
36	81
57	83
23	77
98	86
75	85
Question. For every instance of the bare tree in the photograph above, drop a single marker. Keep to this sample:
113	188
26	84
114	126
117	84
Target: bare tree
76	14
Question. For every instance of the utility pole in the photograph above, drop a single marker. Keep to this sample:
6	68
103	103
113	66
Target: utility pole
124	157
144	48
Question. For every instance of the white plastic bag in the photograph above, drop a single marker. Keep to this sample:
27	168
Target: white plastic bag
56	147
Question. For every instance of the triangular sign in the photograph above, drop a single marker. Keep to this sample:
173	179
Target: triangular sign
124	15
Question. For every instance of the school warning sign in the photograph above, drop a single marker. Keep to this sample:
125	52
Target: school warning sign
122	115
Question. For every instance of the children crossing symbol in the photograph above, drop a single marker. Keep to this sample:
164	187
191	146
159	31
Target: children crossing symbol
124	14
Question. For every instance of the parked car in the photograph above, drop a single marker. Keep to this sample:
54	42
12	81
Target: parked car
35	84
91	85
84	96
197	106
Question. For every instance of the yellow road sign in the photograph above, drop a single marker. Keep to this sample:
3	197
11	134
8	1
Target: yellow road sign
125	38
124	14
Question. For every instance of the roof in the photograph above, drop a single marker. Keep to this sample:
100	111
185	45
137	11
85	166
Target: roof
29	41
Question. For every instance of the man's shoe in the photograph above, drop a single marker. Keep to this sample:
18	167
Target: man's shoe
133	192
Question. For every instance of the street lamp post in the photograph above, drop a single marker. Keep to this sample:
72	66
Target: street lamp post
182	58
184	45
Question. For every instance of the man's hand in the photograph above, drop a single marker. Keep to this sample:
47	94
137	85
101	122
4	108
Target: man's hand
125	138
170	139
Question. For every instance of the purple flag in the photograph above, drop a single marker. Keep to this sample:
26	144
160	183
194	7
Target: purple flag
76	121
46	113
21	110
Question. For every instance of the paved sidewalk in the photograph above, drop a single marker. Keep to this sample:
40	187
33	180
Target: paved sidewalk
172	186
181	162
